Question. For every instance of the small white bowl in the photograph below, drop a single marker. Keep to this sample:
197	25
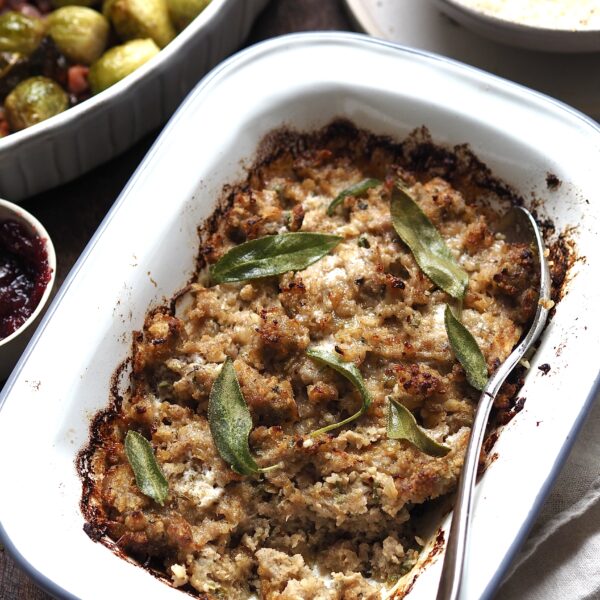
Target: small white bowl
12	347
513	33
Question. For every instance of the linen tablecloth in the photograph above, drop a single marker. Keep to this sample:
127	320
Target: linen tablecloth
561	557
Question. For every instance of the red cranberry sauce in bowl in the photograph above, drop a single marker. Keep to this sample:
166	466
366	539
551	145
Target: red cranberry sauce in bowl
24	274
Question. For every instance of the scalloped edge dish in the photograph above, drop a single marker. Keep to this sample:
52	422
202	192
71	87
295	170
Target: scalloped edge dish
65	375
83	137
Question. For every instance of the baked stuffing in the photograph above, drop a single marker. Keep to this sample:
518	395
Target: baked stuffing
333	521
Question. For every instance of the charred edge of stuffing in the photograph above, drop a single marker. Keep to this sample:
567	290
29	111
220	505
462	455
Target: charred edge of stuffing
546	225
552	181
178	296
285	140
438	546
503	415
94	526
149	563
488	444
563	256
458	165
210	224
94	531
153	566
517	404
162	309
417	152
483	177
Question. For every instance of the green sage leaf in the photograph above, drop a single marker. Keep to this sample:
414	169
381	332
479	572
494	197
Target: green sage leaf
148	475
351	373
272	255
354	190
467	351
427	245
402	425
230	422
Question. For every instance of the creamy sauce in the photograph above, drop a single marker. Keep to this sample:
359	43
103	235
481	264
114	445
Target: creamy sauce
550	14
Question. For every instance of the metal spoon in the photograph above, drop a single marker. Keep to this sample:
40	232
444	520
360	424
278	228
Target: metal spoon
518	226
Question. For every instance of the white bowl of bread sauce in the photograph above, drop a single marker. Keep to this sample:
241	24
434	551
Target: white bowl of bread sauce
565	26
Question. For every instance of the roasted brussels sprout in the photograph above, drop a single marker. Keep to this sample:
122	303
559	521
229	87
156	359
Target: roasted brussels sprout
80	33
19	33
34	100
133	19
183	12
119	61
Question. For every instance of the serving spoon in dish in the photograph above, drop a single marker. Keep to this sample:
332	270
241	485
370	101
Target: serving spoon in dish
517	225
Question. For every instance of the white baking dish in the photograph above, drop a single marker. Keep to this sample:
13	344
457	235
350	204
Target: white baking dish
145	251
71	143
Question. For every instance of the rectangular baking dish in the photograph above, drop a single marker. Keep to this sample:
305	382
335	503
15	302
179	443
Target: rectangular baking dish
145	251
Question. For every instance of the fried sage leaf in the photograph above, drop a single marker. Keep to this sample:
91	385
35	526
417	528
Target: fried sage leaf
354	190
148	475
467	350
402	425
352	374
272	255
230	422
427	245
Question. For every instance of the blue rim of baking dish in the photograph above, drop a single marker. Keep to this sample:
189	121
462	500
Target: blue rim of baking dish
235	61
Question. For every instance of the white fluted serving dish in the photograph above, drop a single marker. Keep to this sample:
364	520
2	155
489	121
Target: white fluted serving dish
77	140
303	81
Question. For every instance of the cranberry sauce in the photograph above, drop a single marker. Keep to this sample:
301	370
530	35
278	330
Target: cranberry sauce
24	275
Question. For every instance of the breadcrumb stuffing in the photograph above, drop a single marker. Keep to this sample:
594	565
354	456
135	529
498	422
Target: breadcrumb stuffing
342	500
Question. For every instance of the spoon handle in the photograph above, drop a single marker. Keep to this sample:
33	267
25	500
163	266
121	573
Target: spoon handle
454	560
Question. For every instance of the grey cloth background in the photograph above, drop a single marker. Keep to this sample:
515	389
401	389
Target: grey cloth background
561	557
